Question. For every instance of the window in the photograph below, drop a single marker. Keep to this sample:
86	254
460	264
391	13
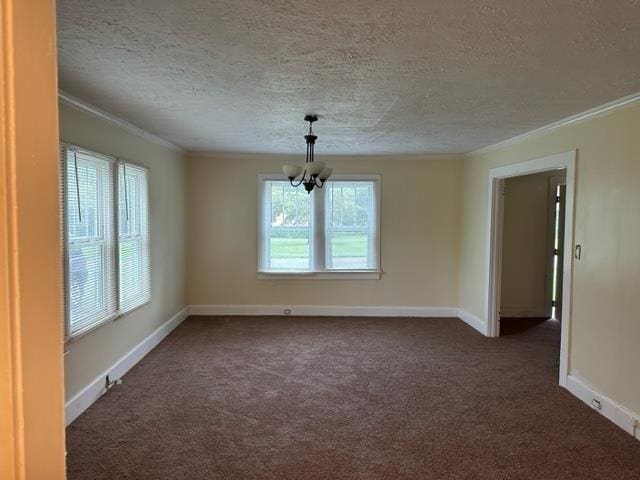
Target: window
133	237
106	238
89	241
288	228
351	227
333	230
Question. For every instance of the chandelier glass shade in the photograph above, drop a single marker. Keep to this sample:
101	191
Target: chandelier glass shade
313	174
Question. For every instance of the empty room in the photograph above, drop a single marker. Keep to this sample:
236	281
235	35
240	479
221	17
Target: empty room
284	240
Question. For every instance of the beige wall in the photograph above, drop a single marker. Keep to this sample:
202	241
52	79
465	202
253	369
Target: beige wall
420	216
525	246
91	355
604	326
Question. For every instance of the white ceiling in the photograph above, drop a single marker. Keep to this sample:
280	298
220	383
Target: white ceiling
409	76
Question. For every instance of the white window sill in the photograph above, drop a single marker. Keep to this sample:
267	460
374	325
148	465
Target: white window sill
327	275
101	323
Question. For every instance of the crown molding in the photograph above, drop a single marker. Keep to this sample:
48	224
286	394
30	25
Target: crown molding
325	157
85	107
599	111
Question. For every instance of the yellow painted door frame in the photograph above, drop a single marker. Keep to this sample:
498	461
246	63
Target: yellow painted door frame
31	361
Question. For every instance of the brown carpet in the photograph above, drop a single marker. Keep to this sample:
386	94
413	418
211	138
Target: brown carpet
347	398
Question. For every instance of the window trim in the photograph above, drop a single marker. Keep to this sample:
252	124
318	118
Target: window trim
114	163
318	232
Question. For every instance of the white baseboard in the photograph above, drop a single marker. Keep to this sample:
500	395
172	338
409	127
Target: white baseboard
473	321
621	416
323	310
89	394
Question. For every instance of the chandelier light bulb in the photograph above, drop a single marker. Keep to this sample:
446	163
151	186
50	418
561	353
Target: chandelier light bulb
291	171
315	168
325	173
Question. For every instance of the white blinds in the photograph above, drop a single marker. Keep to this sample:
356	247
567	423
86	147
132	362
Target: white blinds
106	238
133	233
90	238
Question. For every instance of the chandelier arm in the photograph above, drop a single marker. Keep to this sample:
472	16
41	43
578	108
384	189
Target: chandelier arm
300	182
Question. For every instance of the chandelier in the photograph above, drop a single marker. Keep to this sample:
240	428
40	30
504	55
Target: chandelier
314	174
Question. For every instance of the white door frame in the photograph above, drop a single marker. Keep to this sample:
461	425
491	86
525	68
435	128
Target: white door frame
497	176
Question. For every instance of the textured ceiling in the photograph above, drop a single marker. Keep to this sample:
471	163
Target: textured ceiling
408	76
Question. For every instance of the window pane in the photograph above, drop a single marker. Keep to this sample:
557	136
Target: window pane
132	282
288	227
350	225
289	249
87	284
350	249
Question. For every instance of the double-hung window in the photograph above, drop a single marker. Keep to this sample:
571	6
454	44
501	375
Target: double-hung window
331	231
106	238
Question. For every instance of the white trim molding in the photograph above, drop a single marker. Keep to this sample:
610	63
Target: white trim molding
598	111
85	107
322	311
324	275
493	254
621	416
327	158
473	321
94	390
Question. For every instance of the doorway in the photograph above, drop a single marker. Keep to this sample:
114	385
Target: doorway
532	238
553	165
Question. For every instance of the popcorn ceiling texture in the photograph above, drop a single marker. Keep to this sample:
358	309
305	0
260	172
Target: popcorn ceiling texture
387	77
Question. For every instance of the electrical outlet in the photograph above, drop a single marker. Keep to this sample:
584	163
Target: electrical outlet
110	383
287	311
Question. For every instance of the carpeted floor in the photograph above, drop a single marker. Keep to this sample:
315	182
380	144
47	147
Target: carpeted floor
347	398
